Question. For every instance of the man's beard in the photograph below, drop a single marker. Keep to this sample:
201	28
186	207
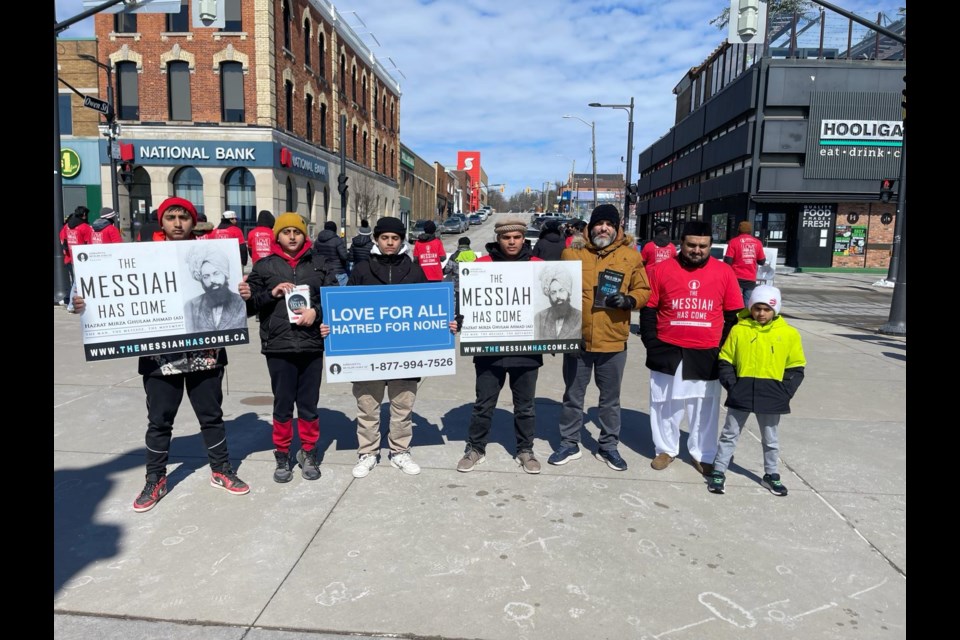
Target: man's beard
218	295
687	262
562	307
601	242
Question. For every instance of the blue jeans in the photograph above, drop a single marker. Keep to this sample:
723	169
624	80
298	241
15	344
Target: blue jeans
342	279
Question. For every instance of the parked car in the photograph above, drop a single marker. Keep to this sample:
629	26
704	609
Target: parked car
532	235
475	219
464	223
416	231
451	225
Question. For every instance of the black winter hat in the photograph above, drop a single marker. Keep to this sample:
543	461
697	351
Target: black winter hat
330	225
430	227
696	228
606	212
388	224
265	218
463	242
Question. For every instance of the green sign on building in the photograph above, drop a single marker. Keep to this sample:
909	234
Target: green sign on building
69	163
406	159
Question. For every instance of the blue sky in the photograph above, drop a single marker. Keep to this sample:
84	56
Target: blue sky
497	76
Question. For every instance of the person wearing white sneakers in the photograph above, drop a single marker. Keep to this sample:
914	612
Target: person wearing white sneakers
390	263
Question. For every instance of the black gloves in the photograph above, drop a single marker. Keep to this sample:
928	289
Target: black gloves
620	300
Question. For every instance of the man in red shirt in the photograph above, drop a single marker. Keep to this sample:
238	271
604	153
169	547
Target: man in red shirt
105	229
74	231
658	249
745	254
228	229
260	239
693	304
428	252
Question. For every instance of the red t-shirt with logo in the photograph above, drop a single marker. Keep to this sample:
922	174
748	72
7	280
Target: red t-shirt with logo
260	242
745	251
233	231
690	302
80	234
429	256
652	254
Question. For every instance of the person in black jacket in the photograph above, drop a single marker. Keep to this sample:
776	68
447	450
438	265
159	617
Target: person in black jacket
361	245
550	244
294	349
492	371
331	246
389	263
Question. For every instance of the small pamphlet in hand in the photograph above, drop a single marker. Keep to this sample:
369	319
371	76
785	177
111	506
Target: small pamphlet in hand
608	283
297	300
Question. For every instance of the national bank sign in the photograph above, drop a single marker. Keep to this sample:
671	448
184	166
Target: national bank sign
853	136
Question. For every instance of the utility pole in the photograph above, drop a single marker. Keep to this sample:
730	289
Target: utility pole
342	178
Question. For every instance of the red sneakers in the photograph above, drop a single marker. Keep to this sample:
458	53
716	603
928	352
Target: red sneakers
227	480
155	489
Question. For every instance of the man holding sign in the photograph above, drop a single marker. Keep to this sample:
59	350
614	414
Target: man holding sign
164	378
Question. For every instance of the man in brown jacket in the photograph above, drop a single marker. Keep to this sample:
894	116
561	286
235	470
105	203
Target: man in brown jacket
606	250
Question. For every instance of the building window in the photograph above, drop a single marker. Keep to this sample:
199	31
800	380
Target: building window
343	75
322	61
286	24
309	201
391	163
376	99
241	195
383	156
128	92
323	124
291	195
231	92
124	22
363	95
288	94
188	184
179	22
393	121
66	115
309	109
384	118
306	42
376	155
353	84
364	148
354	143
178	90
232	16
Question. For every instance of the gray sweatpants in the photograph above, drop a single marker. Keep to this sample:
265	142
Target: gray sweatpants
734	424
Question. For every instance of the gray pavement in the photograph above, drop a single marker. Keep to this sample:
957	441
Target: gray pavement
579	551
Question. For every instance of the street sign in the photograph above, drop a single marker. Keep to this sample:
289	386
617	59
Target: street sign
96	105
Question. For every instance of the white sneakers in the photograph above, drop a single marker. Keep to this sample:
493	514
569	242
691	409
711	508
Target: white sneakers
401	461
405	463
364	465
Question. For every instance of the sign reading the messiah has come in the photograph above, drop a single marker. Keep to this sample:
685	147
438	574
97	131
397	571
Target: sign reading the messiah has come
150	298
520	307
388	332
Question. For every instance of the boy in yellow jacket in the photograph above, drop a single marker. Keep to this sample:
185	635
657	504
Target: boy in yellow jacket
761	367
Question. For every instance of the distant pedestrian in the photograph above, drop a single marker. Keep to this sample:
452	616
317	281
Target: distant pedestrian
576	231
693	304
361	244
761	367
659	249
331	246
74	232
745	253
150	229
550	244
451	270
261	238
228	228
293	349
104	228
429	253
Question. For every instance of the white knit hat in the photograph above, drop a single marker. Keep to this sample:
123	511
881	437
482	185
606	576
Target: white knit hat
768	295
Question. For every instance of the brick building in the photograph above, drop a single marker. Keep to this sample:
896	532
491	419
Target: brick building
245	113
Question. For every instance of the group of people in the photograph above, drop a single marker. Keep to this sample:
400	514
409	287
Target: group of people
698	333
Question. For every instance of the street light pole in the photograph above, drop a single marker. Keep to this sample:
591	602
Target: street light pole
593	152
626	186
112	136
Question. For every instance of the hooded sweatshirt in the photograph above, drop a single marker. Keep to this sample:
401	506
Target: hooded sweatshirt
75	232
104	232
361	245
330	245
260	240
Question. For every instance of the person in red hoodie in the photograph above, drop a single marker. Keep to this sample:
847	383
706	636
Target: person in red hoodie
744	254
228	228
105	229
428	252
660	248
261	238
164	378
293	348
74	232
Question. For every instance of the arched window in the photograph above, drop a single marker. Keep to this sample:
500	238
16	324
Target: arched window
343	75
291	195
384	118
128	90
288	94
376	100
309	109
322	62
286	24
231	92
178	90
306	42
188	184
363	94
364	147
376	154
354	143
383	159
241	195
392	164
323	124
393	121
353	83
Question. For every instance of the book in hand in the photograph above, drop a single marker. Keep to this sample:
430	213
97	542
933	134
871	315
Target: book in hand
608	283
297	300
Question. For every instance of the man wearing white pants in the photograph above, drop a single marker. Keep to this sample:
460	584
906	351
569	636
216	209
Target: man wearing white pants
693	304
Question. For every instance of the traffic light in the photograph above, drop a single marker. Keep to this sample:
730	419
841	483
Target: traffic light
342	183
125	172
886	190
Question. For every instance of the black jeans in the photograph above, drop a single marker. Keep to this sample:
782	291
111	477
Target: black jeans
164	393
295	378
523	385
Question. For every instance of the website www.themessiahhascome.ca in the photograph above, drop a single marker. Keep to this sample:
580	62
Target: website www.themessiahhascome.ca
157	346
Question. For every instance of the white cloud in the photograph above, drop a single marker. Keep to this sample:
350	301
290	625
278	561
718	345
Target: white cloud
497	76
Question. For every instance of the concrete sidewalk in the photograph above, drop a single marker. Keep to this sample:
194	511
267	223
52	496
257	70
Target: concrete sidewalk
579	551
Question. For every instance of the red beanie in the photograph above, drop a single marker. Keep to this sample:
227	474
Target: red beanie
178	202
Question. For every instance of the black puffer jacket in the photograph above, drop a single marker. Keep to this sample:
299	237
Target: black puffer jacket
549	245
360	248
332	247
277	333
380	269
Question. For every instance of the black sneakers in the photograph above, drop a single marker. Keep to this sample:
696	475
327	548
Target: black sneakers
283	473
771	482
715	482
153	490
613	459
